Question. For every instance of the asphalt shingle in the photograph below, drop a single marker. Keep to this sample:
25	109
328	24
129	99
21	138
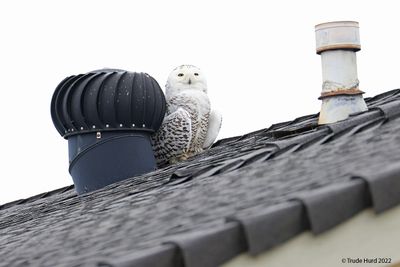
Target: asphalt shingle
249	193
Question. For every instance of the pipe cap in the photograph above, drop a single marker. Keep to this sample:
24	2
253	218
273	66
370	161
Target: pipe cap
337	35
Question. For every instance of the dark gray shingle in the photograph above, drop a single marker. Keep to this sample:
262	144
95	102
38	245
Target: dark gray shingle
296	173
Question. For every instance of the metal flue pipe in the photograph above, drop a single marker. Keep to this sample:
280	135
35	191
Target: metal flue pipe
337	43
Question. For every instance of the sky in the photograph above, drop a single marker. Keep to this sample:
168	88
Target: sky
259	58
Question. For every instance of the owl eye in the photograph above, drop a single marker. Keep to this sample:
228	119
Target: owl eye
196	74
180	74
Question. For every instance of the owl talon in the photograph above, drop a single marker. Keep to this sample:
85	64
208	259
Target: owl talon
173	161
179	159
198	150
184	157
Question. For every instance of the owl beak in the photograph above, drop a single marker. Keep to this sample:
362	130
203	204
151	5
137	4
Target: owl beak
190	81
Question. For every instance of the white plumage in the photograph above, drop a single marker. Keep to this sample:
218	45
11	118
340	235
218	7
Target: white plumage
189	125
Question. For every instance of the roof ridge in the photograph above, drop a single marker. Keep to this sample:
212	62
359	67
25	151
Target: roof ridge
294	143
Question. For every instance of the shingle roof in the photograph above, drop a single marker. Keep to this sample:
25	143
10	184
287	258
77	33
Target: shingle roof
247	193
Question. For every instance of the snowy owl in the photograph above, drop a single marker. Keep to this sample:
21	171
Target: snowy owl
190	125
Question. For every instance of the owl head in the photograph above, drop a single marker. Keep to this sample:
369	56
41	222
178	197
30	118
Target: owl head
185	77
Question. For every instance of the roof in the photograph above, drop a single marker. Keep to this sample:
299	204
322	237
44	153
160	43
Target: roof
247	193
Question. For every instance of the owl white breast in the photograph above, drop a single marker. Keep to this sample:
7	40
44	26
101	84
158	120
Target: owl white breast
185	130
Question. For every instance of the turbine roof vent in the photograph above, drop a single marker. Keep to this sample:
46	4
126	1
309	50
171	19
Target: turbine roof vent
107	100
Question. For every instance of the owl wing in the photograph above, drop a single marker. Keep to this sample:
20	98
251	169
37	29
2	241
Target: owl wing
214	125
173	138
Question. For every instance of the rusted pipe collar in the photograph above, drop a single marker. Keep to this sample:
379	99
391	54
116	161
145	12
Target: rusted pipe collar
354	91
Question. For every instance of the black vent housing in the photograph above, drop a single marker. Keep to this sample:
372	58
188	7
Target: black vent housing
107	100
108	116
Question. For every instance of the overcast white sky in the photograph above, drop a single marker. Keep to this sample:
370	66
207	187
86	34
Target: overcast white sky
259	57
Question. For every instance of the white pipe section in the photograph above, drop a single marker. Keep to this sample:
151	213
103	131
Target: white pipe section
337	43
339	70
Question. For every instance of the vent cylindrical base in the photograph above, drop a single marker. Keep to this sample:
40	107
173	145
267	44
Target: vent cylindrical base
103	158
